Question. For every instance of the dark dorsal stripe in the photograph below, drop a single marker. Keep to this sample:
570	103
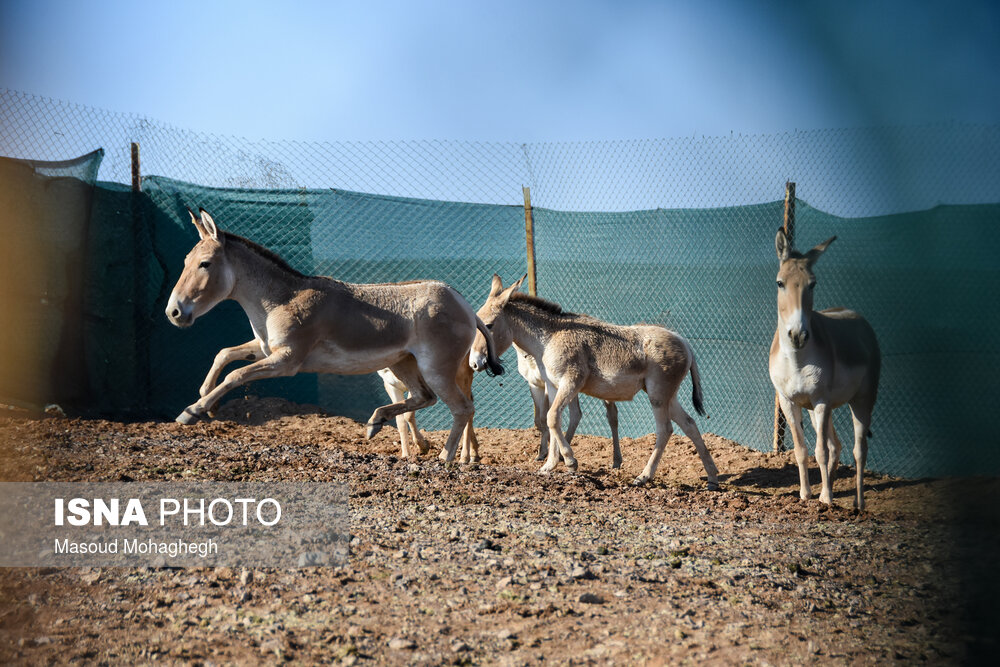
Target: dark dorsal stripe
263	252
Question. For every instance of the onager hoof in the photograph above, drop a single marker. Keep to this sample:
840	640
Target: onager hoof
444	454
640	480
713	486
572	464
546	469
423	446
373	429
188	417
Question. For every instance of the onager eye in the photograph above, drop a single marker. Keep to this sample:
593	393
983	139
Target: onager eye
489	326
812	285
781	284
204	265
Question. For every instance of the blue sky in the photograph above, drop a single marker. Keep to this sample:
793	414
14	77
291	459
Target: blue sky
512	70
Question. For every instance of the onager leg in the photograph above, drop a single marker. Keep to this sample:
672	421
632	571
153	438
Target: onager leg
404	423
470	443
280	363
558	399
861	413
575	414
469	452
538	397
250	351
661	413
421	396
824	415
444	383
833	444
690	428
616	451
793	416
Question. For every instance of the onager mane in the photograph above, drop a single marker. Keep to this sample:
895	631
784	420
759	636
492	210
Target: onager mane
260	250
544	305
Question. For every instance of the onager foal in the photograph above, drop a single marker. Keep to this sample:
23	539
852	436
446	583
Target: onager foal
421	331
577	353
819	361
528	369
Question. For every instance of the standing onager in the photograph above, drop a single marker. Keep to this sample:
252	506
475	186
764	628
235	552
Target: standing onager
420	330
528	369
819	361
577	353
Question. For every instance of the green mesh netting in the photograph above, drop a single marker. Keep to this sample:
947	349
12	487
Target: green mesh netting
924	280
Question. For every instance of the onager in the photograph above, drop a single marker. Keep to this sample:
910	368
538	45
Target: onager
421	331
819	361
406	423
528	369
578	353
526	366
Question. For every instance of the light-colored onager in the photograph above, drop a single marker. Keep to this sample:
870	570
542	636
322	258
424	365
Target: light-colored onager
526	366
528	369
406	423
421	331
578	353
820	361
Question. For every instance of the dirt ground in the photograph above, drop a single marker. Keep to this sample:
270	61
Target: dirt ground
496	564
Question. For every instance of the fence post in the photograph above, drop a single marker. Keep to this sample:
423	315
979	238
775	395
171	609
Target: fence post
136	173
780	427
529	233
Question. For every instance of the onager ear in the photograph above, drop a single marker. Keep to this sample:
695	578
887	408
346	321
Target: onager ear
211	229
814	254
496	286
507	293
197	225
782	246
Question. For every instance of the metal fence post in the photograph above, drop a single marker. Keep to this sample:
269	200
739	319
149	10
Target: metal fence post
780	427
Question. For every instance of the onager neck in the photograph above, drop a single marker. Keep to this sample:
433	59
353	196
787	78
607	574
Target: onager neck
531	325
259	284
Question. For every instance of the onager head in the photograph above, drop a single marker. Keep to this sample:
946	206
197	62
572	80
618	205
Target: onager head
207	277
492	316
796	283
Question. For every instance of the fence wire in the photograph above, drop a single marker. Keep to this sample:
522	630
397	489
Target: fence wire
673	231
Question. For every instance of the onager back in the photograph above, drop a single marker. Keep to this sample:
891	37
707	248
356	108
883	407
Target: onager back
421	331
578	353
820	361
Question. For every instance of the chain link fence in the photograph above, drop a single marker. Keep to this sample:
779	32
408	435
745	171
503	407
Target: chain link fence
675	231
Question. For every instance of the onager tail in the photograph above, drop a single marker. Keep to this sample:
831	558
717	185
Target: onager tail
493	365
696	396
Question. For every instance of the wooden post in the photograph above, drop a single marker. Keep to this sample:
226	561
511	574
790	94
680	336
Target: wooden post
529	233
140	322
136	173
780	427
